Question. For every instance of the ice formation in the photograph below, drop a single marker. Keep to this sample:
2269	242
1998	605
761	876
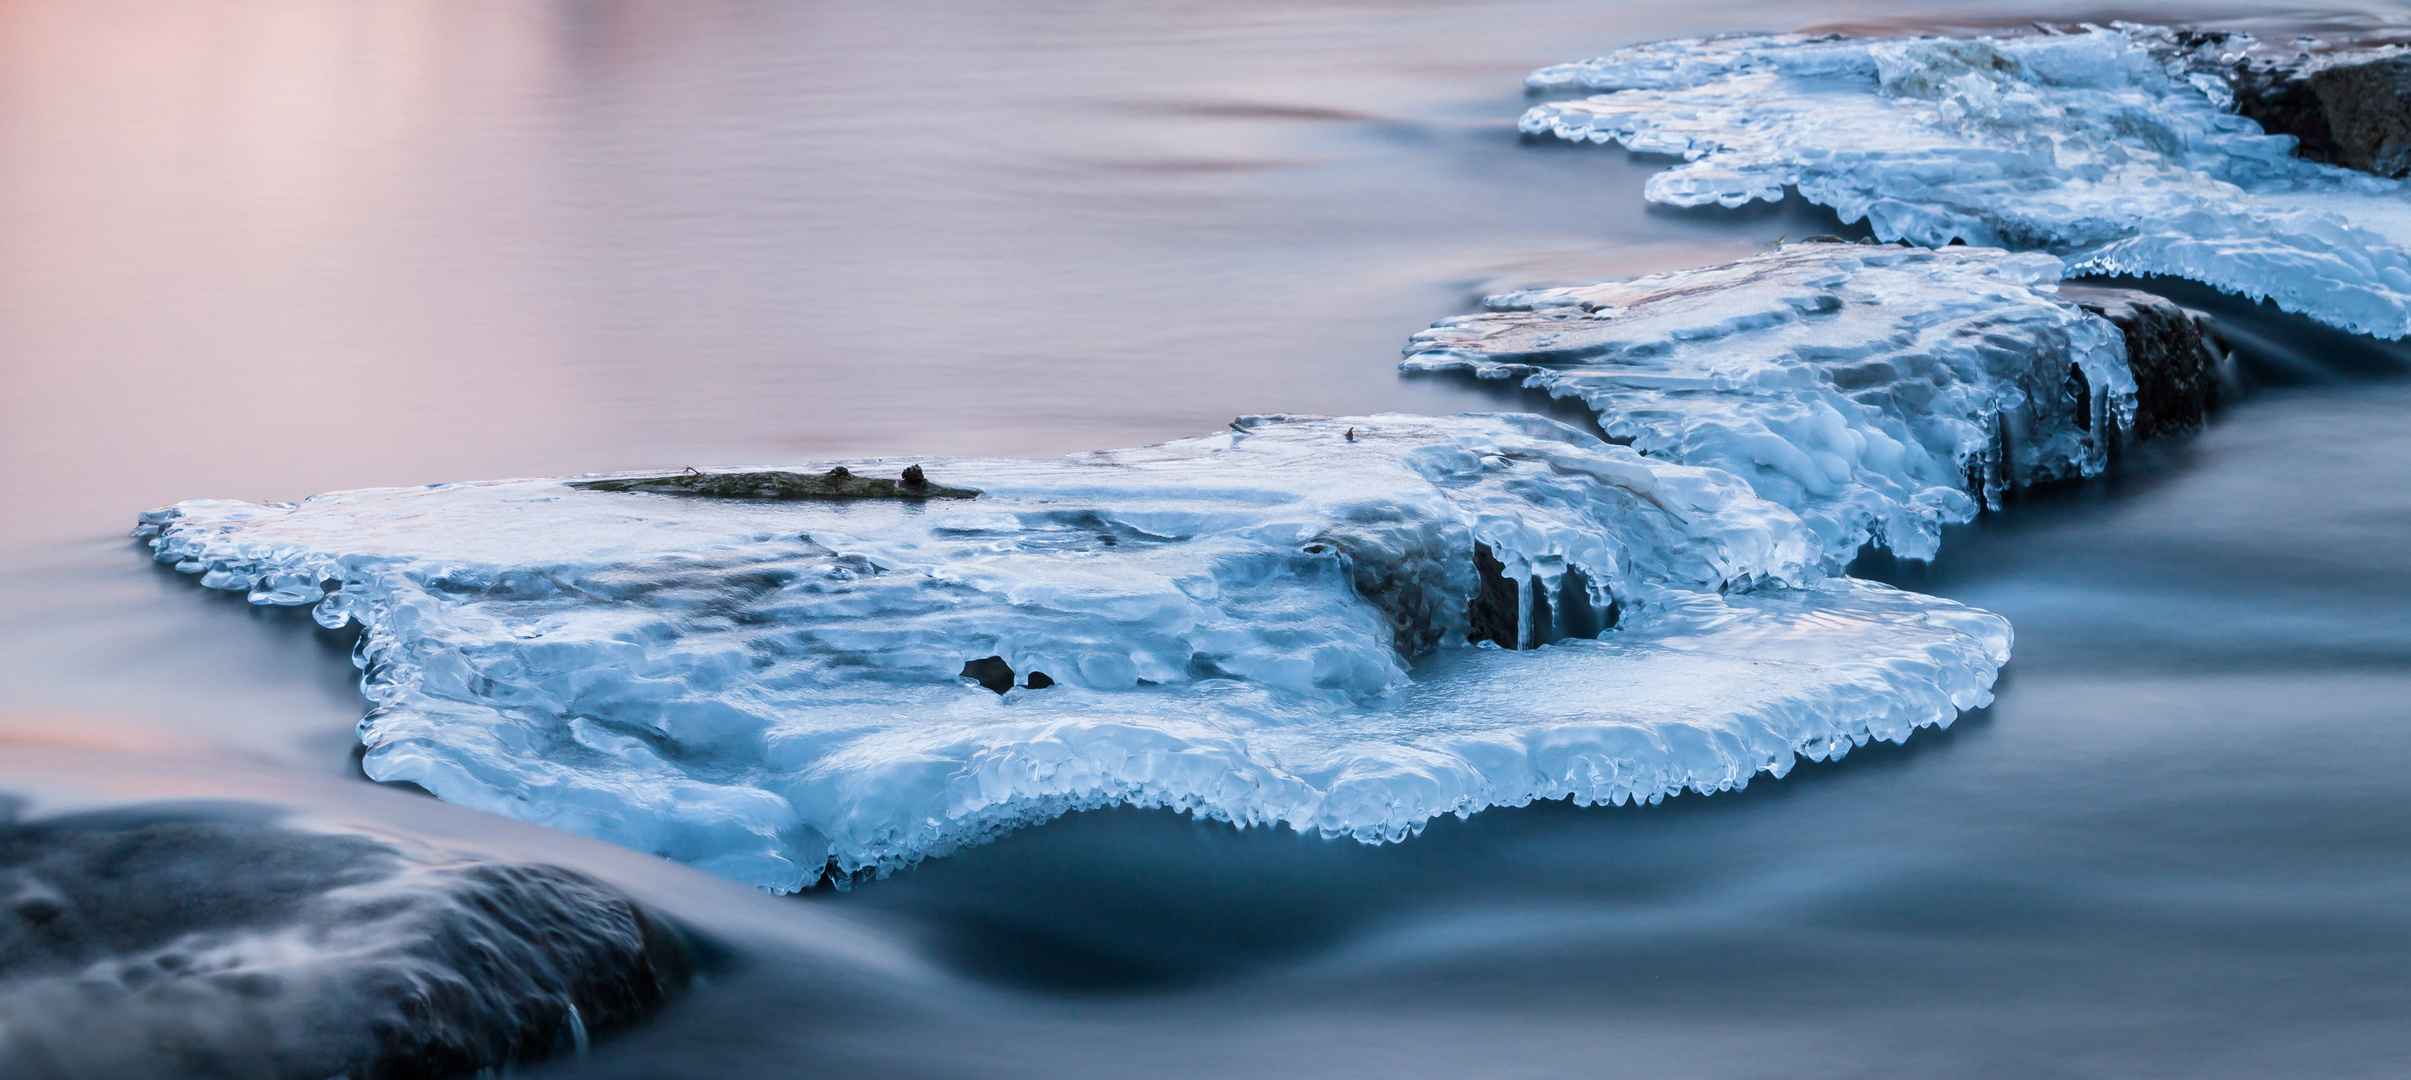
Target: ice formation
2088	146
1273	624
1878	391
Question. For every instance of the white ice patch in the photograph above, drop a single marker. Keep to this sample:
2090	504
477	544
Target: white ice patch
1878	391
765	689
2082	145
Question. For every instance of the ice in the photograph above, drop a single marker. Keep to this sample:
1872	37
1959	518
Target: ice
1271	624
1878	391
2082	145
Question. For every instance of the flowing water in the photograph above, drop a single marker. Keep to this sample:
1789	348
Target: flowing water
262	250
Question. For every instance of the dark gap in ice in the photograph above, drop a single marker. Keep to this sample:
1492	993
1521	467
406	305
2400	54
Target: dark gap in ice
991	672
2079	393
1527	616
1495	610
1039	680
1580	619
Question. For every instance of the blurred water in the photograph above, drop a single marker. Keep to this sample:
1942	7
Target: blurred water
257	250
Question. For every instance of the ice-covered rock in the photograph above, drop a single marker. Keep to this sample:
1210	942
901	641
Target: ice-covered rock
177	943
1880	392
1272	624
2345	105
2182	369
2087	146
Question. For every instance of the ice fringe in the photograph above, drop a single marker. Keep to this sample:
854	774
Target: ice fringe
1265	625
1878	391
2087	146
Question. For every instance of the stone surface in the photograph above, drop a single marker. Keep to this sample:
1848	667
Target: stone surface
2179	365
2347	105
837	483
177	943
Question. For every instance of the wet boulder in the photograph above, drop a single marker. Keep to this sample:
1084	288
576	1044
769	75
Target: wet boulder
182	943
2179	364
2349	108
2346	103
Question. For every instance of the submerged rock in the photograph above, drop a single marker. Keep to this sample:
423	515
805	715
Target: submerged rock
837	483
176	943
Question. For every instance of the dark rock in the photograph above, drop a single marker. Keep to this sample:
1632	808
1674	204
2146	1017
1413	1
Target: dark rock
991	672
2367	102
837	483
2348	105
174	944
1039	680
2180	366
1396	566
2349	109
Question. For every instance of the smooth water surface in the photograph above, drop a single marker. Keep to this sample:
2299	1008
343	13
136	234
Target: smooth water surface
258	250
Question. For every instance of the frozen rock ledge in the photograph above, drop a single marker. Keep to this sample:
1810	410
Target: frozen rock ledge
1347	626
2112	149
1880	392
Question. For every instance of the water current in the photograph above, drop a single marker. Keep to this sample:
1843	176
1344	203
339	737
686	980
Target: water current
260	250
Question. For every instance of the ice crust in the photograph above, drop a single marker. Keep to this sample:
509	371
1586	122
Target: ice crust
1265	625
2086	145
1878	391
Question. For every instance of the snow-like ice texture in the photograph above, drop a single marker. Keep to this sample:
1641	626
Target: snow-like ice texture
1878	391
1265	625
2083	145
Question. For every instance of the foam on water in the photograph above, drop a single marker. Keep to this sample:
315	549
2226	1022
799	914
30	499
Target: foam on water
2088	146
1878	391
1267	625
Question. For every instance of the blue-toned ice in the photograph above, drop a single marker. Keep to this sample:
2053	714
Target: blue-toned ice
2084	145
1265	625
1881	392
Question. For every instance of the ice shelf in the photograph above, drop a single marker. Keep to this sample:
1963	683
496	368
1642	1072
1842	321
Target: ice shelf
1348	626
2091	146
1881	392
